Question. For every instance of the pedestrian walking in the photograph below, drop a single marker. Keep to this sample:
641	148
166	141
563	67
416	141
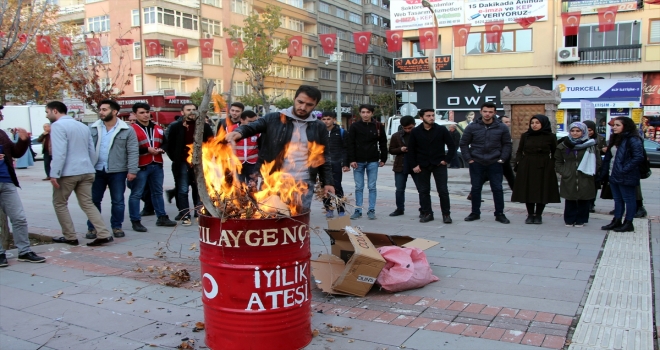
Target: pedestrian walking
338	161
116	146
72	170
536	183
401	167
46	149
485	145
427	157
247	151
456	138
576	161
625	154
367	151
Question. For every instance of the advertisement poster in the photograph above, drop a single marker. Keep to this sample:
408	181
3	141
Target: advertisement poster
421	64
651	89
619	112
604	93
588	111
592	6
478	12
410	14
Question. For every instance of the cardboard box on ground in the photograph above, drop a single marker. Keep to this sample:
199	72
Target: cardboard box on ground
355	262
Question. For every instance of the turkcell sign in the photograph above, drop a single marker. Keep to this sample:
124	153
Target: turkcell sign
600	90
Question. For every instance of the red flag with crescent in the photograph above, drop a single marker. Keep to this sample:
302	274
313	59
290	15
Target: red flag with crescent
295	46
124	42
43	44
607	18
328	42
494	32
65	46
23	38
180	47
206	47
234	47
571	22
652	2
153	47
428	38
362	40
93	46
394	40
526	22
461	33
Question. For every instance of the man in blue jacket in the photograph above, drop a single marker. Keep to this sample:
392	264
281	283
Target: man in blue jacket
485	145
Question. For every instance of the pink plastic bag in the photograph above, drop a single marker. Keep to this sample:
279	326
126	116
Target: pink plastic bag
406	268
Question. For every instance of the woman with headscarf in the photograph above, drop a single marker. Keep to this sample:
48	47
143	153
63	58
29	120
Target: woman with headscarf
625	153
576	161
536	180
601	145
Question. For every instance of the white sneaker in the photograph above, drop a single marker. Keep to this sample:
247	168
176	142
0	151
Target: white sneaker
186	221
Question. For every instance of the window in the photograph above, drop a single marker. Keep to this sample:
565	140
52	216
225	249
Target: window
98	24
354	17
106	54
219	86
240	6
511	41
356	2
168	52
135	18
623	34
323	7
353	57
324	29
137	50
293	24
137	83
241	88
326	95
212	27
356	78
654	31
105	84
294	3
326	74
342	34
216	60
216	3
309	51
341	13
169	17
371	18
149	15
416	51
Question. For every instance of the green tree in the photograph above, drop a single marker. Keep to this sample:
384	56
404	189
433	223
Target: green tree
253	99
20	21
197	96
326	105
259	51
384	103
283	103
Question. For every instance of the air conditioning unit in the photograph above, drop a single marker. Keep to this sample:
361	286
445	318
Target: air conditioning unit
206	34
568	54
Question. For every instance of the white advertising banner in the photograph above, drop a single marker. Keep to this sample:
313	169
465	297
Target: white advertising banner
592	6
410	14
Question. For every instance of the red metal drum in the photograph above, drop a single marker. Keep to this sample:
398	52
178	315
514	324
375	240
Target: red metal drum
256	282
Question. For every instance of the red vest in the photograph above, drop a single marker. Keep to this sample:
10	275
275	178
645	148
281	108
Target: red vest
144	141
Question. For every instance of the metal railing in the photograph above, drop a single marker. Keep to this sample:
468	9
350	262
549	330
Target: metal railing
610	54
168	62
67	10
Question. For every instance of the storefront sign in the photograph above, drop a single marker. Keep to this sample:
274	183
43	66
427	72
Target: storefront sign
592	6
651	89
604	93
478	12
421	64
588	110
410	14
619	112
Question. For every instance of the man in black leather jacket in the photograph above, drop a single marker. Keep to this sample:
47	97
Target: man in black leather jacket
293	125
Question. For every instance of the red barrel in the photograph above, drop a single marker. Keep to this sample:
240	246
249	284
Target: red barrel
256	282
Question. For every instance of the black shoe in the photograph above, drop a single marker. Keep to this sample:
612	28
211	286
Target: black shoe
147	213
538	220
446	219
165	221
64	240
641	212
31	257
427	218
117	232
616	223
3	260
627	226
100	241
169	194
501	218
612	212
179	216
91	234
469	197
592	208
137	226
473	217
530	219
396	213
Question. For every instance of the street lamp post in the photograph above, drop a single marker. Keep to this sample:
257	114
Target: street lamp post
431	54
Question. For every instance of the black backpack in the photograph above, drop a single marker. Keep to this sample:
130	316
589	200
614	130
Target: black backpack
645	166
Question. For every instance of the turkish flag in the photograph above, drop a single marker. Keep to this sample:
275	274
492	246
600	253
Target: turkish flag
65	46
428	38
43	44
652	2
526	22
461	33
180	47
328	42
206	46
394	40
607	18
295	46
494	32
124	42
153	47
571	22
23	38
234	47
93	46
362	40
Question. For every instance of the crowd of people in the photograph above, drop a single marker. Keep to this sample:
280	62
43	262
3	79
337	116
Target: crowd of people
113	154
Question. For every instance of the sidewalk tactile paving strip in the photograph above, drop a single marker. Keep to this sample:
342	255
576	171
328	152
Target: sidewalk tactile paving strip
618	313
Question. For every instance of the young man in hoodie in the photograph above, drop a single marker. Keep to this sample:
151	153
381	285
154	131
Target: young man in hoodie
116	148
367	151
297	125
338	159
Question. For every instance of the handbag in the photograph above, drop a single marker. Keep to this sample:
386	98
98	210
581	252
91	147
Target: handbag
645	167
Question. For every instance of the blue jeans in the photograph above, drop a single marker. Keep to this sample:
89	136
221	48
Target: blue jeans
151	175
372	176
625	198
184	180
478	174
308	196
400	181
116	182
337	175
440	176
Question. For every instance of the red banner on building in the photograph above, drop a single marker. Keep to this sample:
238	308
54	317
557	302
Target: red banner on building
526	22
571	22
66	49
362	40
295	46
328	42
124	42
180	47
461	33
234	47
428	38
494	32
394	40
94	47
153	47
651	89
206	45
43	44
607	18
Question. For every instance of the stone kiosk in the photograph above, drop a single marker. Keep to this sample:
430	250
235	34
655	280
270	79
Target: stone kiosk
523	103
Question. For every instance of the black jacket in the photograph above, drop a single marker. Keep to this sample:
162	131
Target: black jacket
456	137
276	130
366	142
12	151
486	143
427	147
625	165
176	140
337	145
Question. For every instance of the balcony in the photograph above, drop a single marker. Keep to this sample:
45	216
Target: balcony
610	54
162	66
177	32
71	13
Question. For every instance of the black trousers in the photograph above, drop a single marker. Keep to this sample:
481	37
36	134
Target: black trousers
337	175
47	160
576	212
423	183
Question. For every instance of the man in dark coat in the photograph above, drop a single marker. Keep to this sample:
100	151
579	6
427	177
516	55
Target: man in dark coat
338	159
46	149
456	137
401	167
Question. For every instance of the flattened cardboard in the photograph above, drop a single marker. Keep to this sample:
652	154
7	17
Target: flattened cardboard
362	268
326	269
420	243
